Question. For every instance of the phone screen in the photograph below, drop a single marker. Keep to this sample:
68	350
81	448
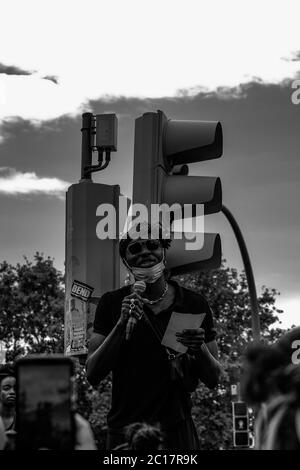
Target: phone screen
44	415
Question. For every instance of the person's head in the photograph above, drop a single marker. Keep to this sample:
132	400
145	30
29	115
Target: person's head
288	347
265	368
7	387
260	370
279	421
289	382
289	343
144	437
144	255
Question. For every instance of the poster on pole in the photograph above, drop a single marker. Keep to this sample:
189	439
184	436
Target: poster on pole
2	352
76	318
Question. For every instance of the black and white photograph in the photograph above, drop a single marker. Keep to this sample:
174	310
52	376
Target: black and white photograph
149	237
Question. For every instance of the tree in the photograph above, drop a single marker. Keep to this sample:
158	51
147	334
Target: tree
32	321
32	307
227	293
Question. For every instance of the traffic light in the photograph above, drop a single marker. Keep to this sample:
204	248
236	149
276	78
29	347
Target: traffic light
162	150
240	424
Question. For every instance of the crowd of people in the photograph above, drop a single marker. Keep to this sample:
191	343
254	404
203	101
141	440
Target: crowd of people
270	385
151	382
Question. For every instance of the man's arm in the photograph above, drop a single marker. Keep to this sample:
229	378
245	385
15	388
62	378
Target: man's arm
104	350
207	364
103	353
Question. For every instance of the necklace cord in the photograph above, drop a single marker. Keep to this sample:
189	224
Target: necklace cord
151	302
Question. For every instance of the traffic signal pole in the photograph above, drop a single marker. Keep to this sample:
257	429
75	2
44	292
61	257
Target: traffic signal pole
239	408
92	259
249	273
86	148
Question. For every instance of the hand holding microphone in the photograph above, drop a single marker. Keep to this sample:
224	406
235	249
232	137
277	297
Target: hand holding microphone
135	307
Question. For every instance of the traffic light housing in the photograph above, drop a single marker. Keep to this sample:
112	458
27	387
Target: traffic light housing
162	150
240	424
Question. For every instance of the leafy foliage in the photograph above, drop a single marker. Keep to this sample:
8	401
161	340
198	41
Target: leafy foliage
32	307
227	293
32	321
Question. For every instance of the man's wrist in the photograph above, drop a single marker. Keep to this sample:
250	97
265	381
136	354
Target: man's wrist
121	324
200	352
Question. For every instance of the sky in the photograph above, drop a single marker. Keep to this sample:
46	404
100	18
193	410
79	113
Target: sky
230	61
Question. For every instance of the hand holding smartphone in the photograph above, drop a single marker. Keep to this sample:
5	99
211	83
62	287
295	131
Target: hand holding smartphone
45	403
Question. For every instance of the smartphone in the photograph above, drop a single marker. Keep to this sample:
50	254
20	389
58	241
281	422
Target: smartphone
45	403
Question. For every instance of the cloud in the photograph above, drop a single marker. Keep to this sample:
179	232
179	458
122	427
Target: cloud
290	306
197	60
51	78
259	171
295	57
13	182
13	70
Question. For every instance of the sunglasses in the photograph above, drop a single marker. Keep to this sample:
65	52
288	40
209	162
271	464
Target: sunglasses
136	248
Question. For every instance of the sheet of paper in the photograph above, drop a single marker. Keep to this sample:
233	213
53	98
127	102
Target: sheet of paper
177	323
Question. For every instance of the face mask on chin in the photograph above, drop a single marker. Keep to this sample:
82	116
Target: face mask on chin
149	275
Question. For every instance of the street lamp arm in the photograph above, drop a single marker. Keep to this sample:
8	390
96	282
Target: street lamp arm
248	271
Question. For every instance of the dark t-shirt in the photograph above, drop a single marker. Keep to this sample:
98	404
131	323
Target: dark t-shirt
141	386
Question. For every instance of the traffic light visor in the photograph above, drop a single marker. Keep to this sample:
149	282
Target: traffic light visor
192	141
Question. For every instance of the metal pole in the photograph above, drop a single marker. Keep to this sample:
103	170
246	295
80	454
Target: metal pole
86	147
249	273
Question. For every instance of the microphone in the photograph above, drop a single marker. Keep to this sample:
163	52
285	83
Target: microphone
138	287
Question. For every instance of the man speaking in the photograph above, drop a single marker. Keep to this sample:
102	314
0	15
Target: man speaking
129	325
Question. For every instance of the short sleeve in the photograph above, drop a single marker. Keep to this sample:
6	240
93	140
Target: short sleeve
208	324
103	316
